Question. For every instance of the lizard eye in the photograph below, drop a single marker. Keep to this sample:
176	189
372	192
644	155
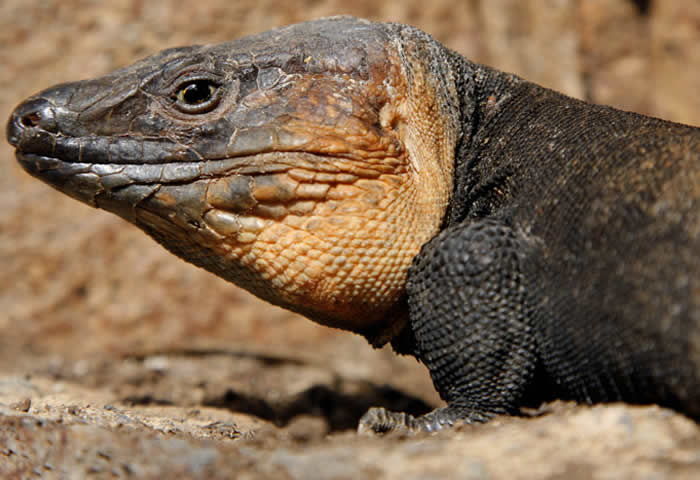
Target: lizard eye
197	96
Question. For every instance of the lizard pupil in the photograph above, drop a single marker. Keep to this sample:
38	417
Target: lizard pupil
197	92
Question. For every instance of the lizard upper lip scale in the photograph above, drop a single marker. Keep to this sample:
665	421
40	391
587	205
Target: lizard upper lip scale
523	245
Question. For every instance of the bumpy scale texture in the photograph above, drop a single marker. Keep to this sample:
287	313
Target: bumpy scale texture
522	244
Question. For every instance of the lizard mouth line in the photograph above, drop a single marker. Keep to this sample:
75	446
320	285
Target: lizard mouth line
123	174
89	181
139	150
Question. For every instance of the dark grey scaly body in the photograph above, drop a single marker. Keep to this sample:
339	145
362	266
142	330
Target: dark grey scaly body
558	258
569	263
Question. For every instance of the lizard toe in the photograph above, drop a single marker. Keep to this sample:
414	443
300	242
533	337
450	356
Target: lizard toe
379	420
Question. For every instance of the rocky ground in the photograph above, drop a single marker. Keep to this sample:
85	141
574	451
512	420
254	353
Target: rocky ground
119	360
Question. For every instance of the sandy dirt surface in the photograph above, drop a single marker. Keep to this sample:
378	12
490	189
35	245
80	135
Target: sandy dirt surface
117	360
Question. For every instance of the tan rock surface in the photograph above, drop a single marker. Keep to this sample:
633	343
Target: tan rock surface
118	360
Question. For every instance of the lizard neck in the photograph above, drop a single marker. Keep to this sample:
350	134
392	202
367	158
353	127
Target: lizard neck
488	99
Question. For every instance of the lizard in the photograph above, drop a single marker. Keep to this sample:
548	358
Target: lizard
522	244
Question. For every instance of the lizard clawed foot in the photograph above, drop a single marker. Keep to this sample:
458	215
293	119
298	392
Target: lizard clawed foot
380	420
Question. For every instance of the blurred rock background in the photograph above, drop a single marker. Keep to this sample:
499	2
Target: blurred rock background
81	290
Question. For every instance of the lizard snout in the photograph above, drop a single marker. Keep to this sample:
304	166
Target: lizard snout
29	120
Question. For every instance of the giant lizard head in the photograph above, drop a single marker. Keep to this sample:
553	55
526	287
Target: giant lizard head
307	164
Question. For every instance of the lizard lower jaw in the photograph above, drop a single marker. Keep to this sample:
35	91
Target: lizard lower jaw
87	182
74	179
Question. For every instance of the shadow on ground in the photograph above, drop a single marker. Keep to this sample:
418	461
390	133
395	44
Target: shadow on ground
339	403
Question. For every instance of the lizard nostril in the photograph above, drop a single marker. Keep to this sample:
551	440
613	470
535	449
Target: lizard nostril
36	114
31	120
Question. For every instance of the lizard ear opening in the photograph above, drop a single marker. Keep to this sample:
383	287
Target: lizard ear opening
389	118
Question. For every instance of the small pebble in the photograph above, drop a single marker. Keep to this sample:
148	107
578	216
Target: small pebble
23	405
